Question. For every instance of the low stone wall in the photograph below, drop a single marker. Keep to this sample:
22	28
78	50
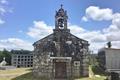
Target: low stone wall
7	67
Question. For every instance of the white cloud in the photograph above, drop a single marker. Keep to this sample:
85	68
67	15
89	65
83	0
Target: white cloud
15	43
93	36
116	44
20	31
1	21
96	46
95	13
113	36
112	32
3	1
39	30
75	29
4	8
111	28
84	18
116	20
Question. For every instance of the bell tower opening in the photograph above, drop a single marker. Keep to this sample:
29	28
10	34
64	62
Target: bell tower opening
61	19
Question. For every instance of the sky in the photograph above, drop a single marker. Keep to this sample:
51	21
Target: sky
23	22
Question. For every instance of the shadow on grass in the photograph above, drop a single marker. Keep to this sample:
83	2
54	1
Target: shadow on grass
29	76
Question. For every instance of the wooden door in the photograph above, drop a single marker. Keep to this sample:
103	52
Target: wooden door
60	70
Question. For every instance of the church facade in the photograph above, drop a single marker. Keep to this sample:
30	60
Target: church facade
61	55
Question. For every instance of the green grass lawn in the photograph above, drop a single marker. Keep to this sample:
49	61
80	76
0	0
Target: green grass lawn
25	74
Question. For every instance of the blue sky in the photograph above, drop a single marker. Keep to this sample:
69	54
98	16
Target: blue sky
25	21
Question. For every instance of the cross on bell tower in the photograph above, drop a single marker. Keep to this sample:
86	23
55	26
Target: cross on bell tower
61	19
61	5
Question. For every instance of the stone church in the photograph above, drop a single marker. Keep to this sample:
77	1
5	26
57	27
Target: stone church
60	55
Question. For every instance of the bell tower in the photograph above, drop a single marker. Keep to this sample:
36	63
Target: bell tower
61	19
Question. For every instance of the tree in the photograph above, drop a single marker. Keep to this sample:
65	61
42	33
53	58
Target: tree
1	56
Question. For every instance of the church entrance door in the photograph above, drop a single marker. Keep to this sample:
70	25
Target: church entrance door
60	70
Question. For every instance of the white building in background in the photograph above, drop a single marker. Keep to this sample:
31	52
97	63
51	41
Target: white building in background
22	58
